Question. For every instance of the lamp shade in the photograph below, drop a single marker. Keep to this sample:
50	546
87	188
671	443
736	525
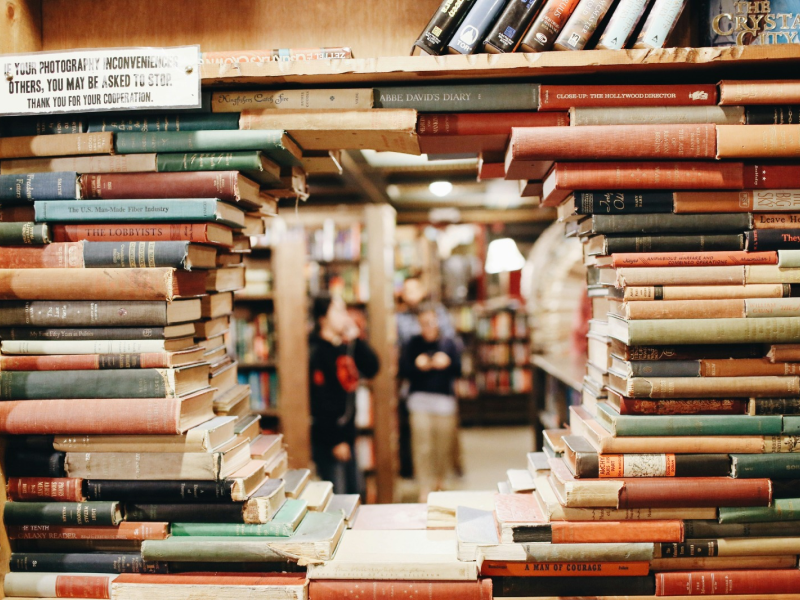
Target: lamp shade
503	255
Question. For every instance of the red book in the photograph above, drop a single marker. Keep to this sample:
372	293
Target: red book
599	532
391	590
127	530
201	233
564	97
727	583
771	177
487	170
61	585
67	489
690	259
697	492
67	255
703	406
499	568
671	175
91	362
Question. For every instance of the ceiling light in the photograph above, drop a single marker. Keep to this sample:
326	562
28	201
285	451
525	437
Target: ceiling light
503	255
440	188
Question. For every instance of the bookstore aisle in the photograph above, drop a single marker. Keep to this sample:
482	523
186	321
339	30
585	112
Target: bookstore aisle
599	198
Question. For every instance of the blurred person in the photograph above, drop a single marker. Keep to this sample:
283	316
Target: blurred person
412	295
431	363
338	359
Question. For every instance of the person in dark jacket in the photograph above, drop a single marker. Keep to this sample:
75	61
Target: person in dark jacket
431	363
338	359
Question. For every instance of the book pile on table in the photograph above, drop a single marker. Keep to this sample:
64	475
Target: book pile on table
133	459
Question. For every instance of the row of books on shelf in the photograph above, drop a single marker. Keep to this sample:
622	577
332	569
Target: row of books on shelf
504	381
504	354
264	389
502	326
255	338
349	282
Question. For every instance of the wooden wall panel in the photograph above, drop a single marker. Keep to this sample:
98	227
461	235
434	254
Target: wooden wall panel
21	26
370	27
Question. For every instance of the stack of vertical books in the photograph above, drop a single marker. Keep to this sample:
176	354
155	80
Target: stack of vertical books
132	454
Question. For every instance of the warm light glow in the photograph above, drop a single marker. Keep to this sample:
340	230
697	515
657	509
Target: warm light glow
440	188
503	255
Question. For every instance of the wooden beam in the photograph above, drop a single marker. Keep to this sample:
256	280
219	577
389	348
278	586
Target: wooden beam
484	216
355	171
21	26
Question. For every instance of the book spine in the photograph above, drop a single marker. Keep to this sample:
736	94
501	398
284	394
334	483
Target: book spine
62	513
190	232
774	406
191	513
473	29
16	214
49	256
646	115
664	175
512	24
698	548
771	93
655	223
667	368
634	426
452	98
698	529
659	24
307	99
106	416
453	124
757	141
178	491
208	161
757	582
567	97
791	425
757	367
496	568
682	309
44	125
663	465
635	406
135	254
39	186
548	24
112	163
47	585
707	292
24	317
687	352
565	532
621	25
687	259
85	347
772	239
760	307
222	185
275	529
565	586
27	562
165	122
65	489
773	115
57	145
699	331
14	234
378	590
675	243
655	142
590	203
41	385
123	211
696	492
275	55
782	509
789	259
125	531
774	466
582	24
771	176
35	463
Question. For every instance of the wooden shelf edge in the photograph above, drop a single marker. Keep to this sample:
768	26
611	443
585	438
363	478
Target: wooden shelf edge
486	66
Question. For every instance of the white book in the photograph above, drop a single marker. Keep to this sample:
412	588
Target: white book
520	480
82	346
442	506
317	494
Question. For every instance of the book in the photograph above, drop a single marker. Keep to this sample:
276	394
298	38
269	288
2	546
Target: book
227	512
283	524
78	255
68	489
772	239
127	122
84	563
550	553
505	587
226	101
123	211
39	186
702	387
660	22
57	585
21	319
756	141
380	590
475	26
24	233
782	509
276	55
749	92
17	214
56	145
689	563
314	540
256	165
771	201
112	163
499	568
619	244
778	466
317	494
678	352
546	26
346	505
771	115
460	97
201	233
35	462
620	27
94	347
185	586
582	24
646	115
704	292
688	259
589	203
746	367
126	530
775	581
62	513
442	506
506	33
274	144
42	125
565	532
666	223
773	406
437	33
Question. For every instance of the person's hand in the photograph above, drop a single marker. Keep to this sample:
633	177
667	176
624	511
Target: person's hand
423	362
440	361
341	452
351	330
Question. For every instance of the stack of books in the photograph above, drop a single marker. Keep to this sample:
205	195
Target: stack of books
132	449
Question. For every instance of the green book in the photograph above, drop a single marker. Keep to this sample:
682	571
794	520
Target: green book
315	539
782	509
274	143
460	97
253	164
769	330
283	524
791	426
679	425
18	234
133	122
179	210
62	513
772	466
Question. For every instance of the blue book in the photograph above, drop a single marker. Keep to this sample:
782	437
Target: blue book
182	210
475	26
59	185
735	23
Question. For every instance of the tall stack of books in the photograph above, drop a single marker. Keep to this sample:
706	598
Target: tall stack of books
132	454
679	472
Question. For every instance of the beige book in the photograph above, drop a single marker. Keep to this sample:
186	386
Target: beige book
768	546
266	446
94	346
305	99
545	552
705	387
758	141
216	305
396	555
203	438
67	144
520	480
246	480
442	506
584	493
705	292
265	502
393	130
647	115
277	466
160	466
760	274
681	309
219	586
666	276
114	163
317	494
769	92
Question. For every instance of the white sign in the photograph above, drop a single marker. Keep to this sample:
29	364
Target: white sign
96	80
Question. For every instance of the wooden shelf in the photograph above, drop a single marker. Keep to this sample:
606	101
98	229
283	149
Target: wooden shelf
739	61
568	369
257	365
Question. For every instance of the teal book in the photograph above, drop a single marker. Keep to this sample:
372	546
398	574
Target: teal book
791	426
680	425
145	123
283	524
112	383
182	210
274	143
253	164
460	97
782	509
772	466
